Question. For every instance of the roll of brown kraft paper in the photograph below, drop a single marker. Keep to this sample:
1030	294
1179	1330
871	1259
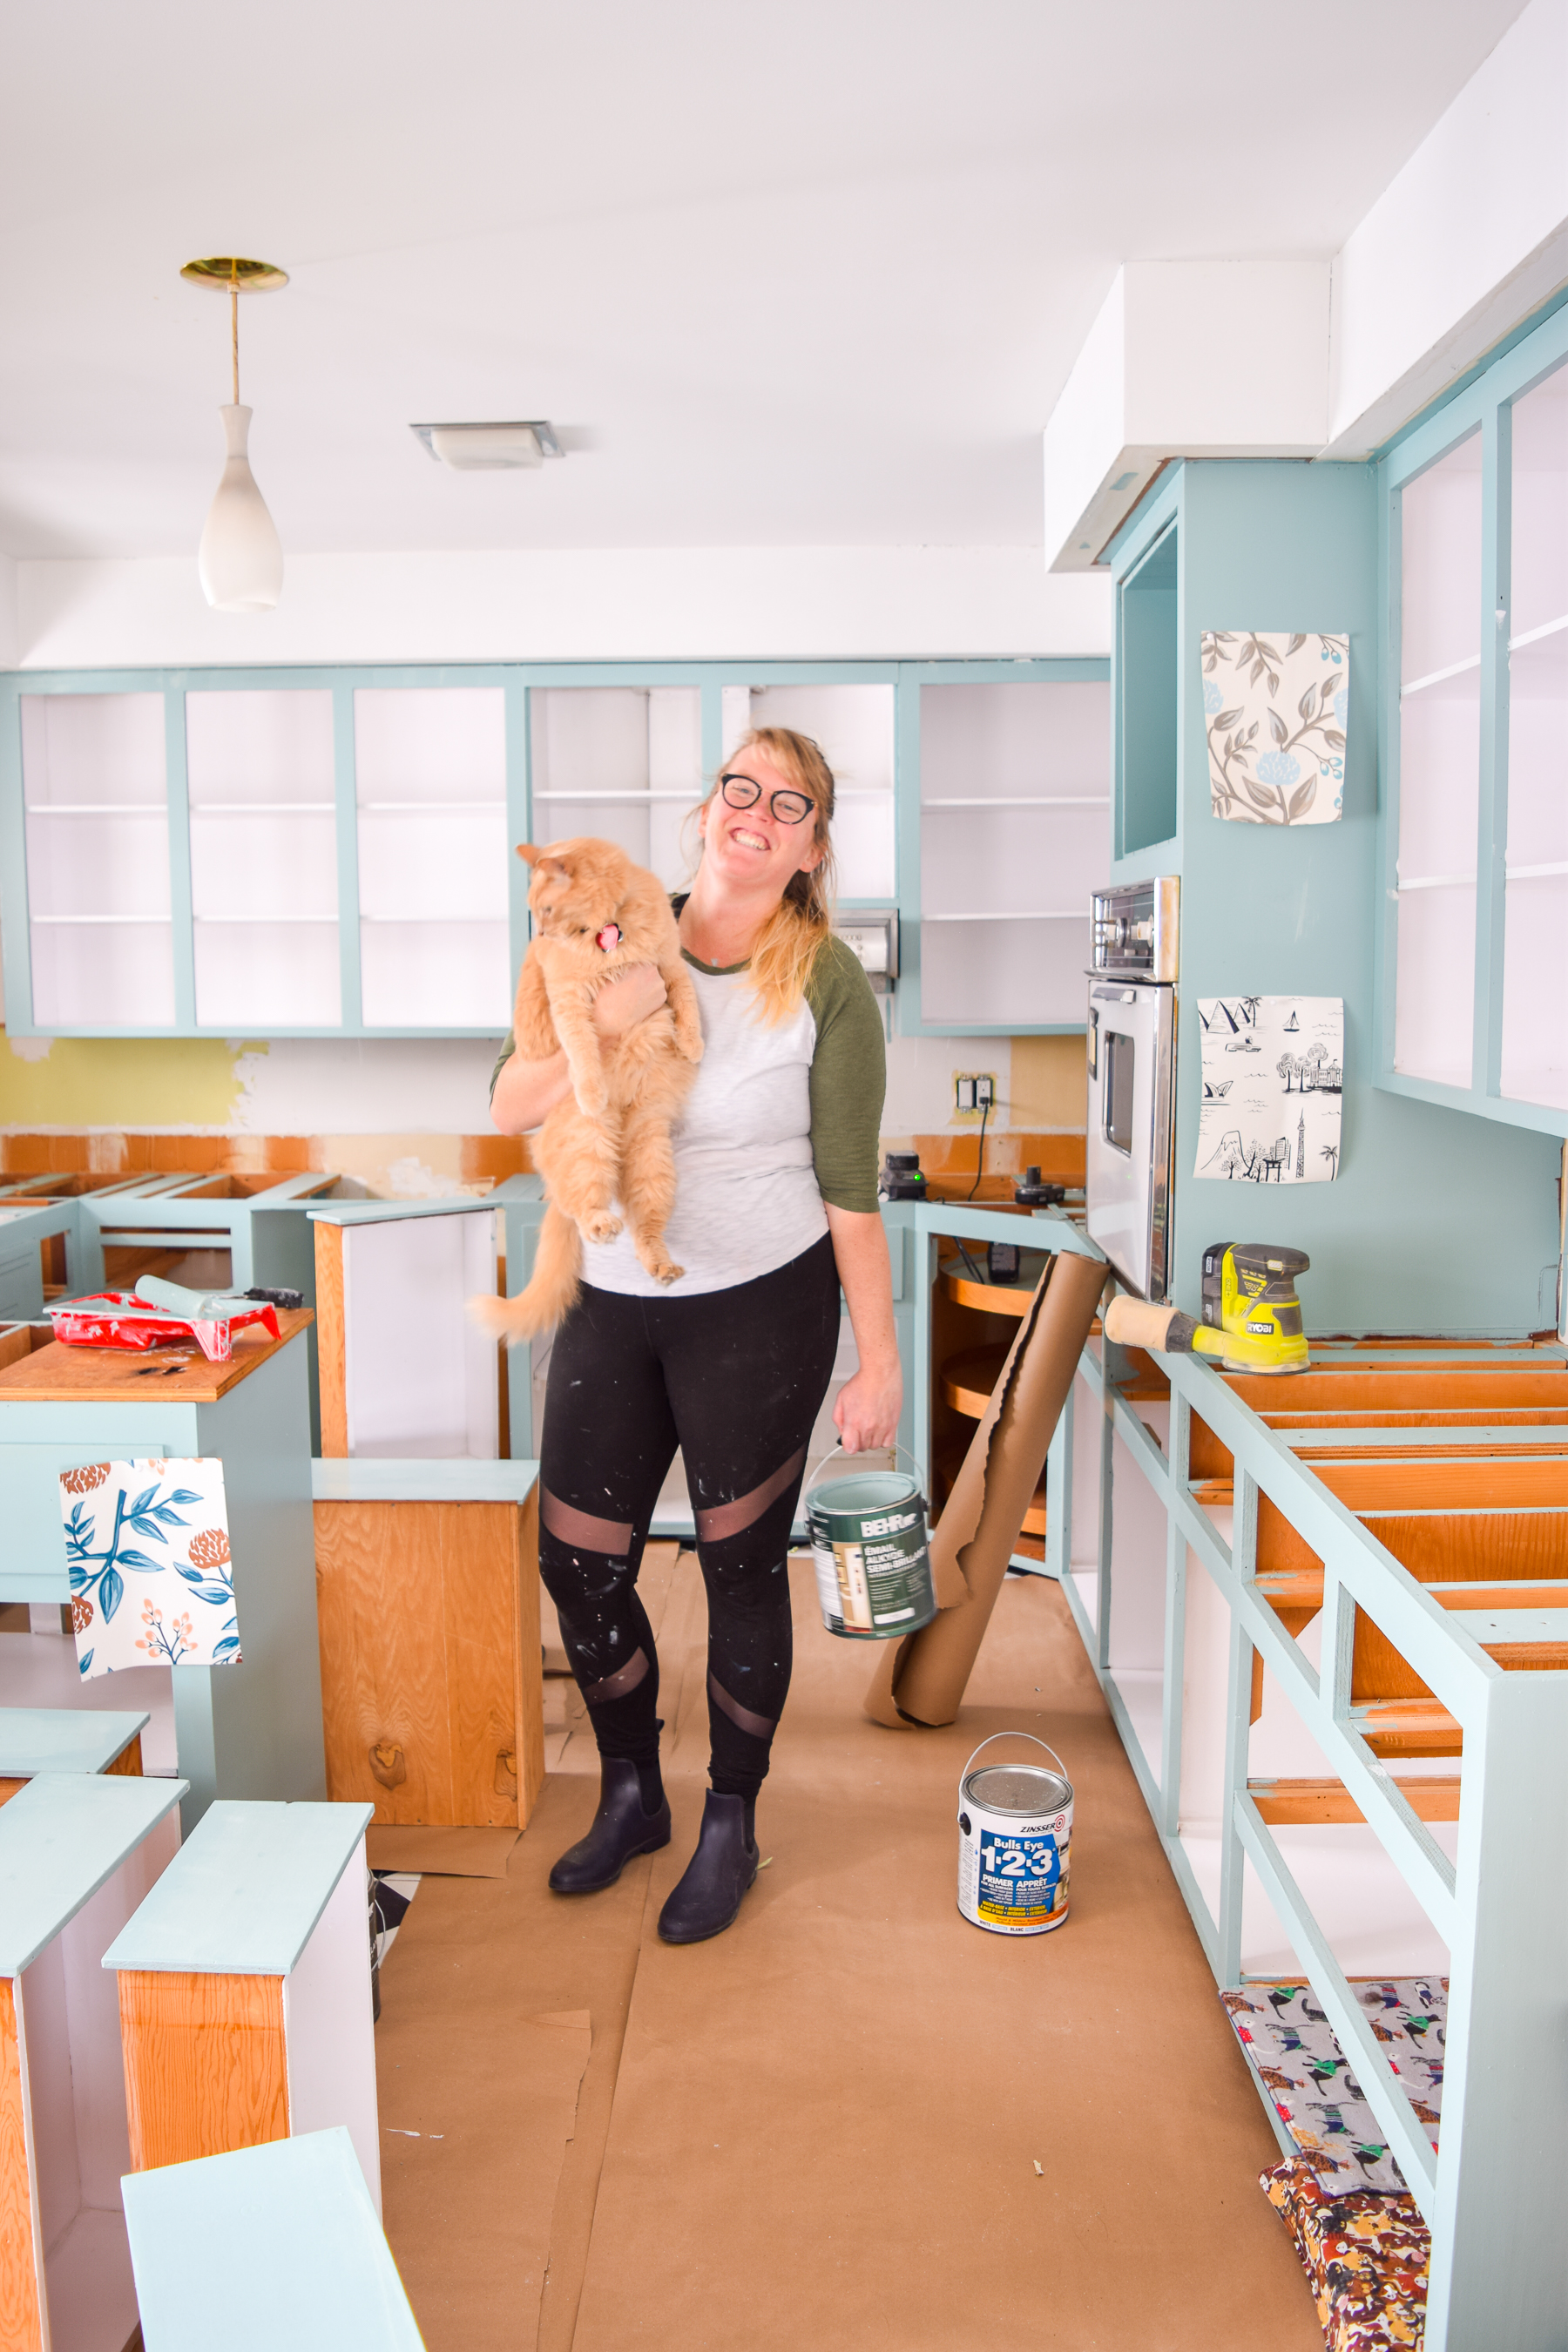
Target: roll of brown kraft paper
922	1680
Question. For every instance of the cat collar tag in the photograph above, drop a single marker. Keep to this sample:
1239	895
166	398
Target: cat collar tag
610	937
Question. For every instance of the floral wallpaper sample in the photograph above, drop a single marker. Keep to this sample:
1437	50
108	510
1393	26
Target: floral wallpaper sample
1274	708
150	1572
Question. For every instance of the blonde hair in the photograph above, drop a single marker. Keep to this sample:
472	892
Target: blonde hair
788	943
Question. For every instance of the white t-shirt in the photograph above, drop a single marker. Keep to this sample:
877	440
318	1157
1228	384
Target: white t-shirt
746	1198
780	1117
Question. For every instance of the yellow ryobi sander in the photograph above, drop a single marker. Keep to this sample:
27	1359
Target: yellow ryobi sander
1252	1317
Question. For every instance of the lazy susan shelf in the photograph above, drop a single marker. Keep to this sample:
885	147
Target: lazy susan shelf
994	1298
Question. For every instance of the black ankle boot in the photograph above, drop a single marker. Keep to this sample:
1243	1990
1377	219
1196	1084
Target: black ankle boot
619	1830
717	1875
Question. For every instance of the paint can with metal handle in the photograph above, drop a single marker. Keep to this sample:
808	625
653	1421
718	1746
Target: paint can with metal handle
868	1538
1015	1830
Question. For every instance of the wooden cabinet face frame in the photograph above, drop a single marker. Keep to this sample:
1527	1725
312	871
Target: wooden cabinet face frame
203	934
1488	679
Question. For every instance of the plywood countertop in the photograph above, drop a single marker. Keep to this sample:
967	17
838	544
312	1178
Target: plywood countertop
60	1375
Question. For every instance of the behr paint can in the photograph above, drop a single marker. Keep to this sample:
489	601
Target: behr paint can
1015	1830
873	1562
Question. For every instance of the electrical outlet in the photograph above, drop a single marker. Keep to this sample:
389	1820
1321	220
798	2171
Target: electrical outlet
974	1096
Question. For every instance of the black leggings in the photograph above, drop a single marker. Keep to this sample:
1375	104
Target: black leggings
736	1379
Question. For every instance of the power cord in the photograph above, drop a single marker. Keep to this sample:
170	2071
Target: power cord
980	1162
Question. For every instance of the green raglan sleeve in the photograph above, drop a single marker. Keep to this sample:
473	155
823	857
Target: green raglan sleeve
502	1059
848	1079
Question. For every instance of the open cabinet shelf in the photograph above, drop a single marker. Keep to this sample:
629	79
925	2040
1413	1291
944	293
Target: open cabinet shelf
329	853
1476	745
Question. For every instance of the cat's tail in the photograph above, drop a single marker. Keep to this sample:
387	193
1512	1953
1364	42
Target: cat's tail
551	1291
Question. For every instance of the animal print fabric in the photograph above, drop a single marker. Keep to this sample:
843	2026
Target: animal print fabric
1291	2049
1365	2255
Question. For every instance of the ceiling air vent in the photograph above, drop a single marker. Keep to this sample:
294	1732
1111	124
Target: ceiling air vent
489	448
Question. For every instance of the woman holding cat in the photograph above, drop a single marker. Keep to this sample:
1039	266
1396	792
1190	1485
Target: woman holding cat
775	1208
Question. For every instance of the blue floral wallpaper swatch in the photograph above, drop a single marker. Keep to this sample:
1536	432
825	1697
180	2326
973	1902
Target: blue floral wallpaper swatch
150	1573
1274	708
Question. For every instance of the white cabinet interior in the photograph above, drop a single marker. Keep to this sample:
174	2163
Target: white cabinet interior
1535	923
312	853
854	726
430	804
1473	846
95	791
1014	835
622	762
1439	766
264	858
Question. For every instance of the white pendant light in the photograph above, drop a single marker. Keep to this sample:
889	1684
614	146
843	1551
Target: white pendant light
240	561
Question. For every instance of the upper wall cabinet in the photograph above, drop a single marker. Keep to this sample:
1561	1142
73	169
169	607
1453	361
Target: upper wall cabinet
311	853
430	819
1015	834
100	925
263	860
331	854
1476	815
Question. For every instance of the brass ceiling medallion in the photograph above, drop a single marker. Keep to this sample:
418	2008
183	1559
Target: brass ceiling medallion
227	272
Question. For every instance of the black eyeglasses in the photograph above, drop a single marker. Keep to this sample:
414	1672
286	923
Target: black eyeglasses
744	792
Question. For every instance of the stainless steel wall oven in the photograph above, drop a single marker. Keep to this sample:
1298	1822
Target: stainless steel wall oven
1131	1079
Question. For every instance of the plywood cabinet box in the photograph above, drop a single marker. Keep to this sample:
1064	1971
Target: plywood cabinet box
426	1544
428	1602
79	1851
244	1985
39	1739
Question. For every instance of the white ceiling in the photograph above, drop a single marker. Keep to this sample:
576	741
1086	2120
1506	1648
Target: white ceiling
795	275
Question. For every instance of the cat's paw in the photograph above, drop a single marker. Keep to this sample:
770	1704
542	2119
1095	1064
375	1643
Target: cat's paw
663	1272
602	1226
691	1046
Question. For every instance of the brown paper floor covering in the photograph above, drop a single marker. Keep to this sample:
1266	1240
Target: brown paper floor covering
454	1853
822	2128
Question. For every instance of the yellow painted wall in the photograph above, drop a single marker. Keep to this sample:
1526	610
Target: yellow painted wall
120	1082
1050	1084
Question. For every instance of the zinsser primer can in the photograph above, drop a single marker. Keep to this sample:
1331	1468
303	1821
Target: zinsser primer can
873	1565
1015	1830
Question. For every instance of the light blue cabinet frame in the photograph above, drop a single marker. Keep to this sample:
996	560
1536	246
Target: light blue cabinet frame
913	676
517	681
1492	2194
1484	405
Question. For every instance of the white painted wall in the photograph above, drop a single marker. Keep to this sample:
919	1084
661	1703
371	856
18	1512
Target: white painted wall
1204	359
1463	244
403	1086
1300	357
10	641
381	1086
568	605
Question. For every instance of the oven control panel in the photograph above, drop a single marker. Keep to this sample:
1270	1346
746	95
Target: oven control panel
1133	928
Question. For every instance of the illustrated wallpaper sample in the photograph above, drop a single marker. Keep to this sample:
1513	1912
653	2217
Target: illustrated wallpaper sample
1273	1070
152	1578
1274	705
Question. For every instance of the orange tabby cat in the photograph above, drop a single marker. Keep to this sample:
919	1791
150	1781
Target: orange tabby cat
595	915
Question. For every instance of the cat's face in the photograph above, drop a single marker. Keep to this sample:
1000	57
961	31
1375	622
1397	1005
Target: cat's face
578	887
